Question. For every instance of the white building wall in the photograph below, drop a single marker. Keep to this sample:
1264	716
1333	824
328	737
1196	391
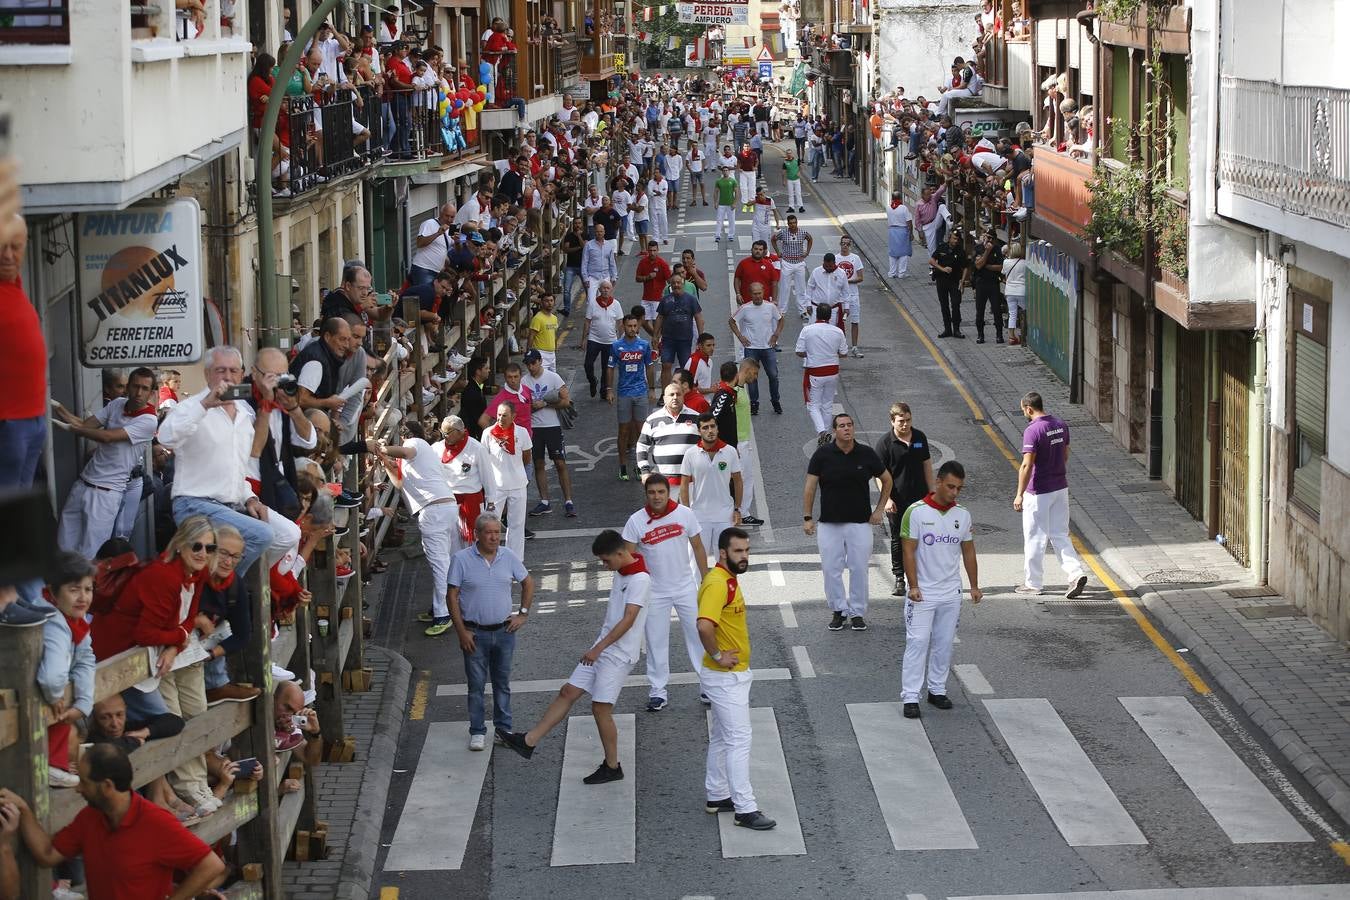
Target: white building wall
918	39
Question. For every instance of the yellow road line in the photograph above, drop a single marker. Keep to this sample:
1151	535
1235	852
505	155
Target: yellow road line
1126	602
418	709
1342	849
388	893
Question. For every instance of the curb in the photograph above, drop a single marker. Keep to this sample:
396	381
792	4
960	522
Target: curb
1329	786
363	841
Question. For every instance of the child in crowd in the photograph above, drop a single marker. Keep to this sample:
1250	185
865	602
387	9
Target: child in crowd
67	659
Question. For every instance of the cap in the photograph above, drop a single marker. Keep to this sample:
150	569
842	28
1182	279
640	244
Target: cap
533	356
477	238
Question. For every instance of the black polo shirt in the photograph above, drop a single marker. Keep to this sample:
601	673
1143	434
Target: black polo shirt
472	405
610	219
845	481
905	463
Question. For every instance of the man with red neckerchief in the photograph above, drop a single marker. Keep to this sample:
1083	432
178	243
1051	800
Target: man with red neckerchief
464	461
710	482
652	273
508	449
666	534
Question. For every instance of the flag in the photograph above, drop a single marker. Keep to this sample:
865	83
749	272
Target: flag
673	43
644	36
648	13
749	42
774	41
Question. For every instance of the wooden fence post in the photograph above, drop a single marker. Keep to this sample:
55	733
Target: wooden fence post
23	762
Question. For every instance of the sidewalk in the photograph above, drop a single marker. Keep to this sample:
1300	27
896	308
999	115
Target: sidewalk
1290	677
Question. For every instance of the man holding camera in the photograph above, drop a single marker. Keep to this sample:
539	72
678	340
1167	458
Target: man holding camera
281	426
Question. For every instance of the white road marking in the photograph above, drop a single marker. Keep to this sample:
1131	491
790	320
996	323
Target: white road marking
916	801
804	667
549	686
566	533
1078	799
769	776
788	614
1265	892
433	830
973	679
776	574
596	823
1241	805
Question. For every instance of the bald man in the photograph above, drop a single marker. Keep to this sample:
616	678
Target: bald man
433	241
23	366
288	706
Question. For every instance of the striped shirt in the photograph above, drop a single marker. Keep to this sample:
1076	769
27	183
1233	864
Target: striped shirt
792	247
664	440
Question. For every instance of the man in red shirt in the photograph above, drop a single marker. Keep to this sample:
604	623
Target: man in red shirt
131	847
23	365
747	168
756	268
652	273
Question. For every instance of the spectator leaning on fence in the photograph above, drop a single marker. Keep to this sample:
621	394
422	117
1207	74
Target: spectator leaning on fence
67	658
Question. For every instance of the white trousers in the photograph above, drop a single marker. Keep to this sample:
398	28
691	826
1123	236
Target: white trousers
592	288
710	529
657	633
899	266
439	524
820	400
930	233
747	182
550	359
510	505
726	214
1016	303
728	772
792	283
660	224
88	518
794	192
748	459
930	627
945	101
130	509
845	545
1045	518
761	233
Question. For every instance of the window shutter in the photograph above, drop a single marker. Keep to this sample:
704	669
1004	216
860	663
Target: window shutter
1310	418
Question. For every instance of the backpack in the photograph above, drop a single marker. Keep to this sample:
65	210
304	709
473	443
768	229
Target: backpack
111	577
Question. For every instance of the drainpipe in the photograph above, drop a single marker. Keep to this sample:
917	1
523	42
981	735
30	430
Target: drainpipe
1155	424
1260	386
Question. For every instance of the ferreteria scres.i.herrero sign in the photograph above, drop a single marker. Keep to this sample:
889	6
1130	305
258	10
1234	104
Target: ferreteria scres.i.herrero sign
141	285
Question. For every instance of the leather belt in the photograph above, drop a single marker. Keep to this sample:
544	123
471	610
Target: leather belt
477	627
97	487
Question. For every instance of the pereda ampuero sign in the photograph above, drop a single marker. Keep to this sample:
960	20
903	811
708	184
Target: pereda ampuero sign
140	285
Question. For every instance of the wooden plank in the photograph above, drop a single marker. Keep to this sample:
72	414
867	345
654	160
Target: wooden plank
9	718
322	574
237	810
117	673
346	632
23	764
288	814
284	644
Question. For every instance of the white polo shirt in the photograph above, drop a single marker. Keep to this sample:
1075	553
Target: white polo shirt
852	264
506	471
822	343
663	542
423	476
937	557
710	494
464	471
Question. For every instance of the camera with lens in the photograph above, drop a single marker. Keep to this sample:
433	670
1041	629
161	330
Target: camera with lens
288	385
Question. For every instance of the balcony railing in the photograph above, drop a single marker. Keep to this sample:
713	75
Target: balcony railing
1287	146
321	140
566	61
33	23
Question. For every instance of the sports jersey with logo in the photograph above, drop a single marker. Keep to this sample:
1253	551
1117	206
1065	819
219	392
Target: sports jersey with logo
940	532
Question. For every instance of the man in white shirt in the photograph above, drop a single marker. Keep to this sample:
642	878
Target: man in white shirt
548	394
764	218
599	331
433	243
332	46
757	325
211	438
821	345
464	465
827	287
508	454
710	483
475	208
851	264
666	534
416	469
657	191
623	201
674	171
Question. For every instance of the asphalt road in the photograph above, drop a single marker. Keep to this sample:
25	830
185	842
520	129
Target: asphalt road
1071	789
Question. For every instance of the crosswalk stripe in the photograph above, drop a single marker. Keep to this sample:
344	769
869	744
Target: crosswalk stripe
549	685
1241	805
1078	799
596	823
973	679
769	777
916	801
1264	892
438	815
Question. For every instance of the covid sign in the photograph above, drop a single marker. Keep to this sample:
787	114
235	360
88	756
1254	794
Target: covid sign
141	285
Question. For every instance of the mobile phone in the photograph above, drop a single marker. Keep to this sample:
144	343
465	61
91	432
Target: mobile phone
384	298
247	767
237	392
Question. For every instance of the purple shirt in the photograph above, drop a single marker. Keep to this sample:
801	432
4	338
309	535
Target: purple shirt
1048	438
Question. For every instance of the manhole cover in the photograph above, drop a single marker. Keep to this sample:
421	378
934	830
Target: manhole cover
1251	593
1271	611
1142	486
1180	576
1082	607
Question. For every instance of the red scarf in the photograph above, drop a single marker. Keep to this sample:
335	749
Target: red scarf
507	438
229	579
605	302
694	360
453	450
653	516
714	448
79	629
931	500
264	406
146	410
637	565
895	204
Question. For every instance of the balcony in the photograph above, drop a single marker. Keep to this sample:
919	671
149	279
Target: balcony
597	57
566	63
1062	200
510	118
1284	159
150	108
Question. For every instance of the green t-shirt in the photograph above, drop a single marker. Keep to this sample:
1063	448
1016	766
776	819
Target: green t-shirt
296	86
726	191
742	414
791	168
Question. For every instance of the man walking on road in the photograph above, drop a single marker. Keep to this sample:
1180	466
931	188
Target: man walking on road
764	210
792	177
757	326
843	471
666	534
747	165
937	542
599	331
605	666
508	449
821	346
1043	498
710	482
827	286
632	382
481	576
548	393
725	188
950	264
731	405
726	678
666	435
598	264
852	266
793	246
905	454
678	318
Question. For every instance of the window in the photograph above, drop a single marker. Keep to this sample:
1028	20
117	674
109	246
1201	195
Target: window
1308	436
34	22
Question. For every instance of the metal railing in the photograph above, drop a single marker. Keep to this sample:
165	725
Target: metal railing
321	137
1287	146
29	23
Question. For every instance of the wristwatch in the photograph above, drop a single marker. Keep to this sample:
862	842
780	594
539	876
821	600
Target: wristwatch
806	518
717	657
523	611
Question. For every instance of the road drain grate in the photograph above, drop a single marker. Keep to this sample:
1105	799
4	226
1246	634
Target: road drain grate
1180	576
1076	608
1272	611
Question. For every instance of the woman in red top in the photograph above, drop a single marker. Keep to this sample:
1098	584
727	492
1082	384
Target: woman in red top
159	608
260	83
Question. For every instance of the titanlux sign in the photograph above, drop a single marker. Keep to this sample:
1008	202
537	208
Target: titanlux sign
140	285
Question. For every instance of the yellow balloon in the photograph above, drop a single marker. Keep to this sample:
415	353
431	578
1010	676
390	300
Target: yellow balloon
478	107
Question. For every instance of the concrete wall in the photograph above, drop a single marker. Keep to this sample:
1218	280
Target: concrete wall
1288	41
918	39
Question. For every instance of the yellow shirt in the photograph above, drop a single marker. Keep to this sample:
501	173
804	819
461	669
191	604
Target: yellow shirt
721	602
544	331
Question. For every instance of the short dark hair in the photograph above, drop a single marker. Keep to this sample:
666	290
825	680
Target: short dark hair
638	312
828	257
114	547
109	762
822	313
730	534
141	372
67	568
332	326
728	370
834	420
683	376
511	367
951	467
657	478
630	315
705	336
607	542
1033	400
476	363
706	417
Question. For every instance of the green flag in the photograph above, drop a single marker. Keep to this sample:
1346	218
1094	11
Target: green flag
798	83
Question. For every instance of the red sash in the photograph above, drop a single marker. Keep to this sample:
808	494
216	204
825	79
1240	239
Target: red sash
470	507
819	372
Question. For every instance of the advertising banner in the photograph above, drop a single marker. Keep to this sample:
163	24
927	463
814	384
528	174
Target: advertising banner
714	13
1052	306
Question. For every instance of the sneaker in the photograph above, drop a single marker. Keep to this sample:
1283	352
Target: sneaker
280	674
427	616
529	535
604	774
979	340
822	439
778	409
941	701
656	704
288	740
516	741
236	693
751	520
858	624
837	622
60	778
478	742
1076	589
347	500
899	590
1027	590
705	699
855	353
458	361
756	821
16	615
911	710
438	627
623	475
806	316
754	409
543	507
801	209
570	509
719	806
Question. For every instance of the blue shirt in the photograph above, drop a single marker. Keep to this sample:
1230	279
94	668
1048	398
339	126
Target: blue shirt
629	360
677	314
485	587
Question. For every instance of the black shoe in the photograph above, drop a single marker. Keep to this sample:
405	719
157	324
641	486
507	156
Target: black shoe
1076	589
347	500
593	390
945	334
911	710
719	806
516	741
858	624
838	622
604	775
957	334
754	409
940	701
755	821
656	704
529	535
778	408
899	587
998	339
705	699
979	340
751	520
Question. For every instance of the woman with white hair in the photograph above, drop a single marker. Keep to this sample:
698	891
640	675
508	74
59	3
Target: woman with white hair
1015	289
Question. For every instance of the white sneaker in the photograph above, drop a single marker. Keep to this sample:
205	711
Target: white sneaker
60	778
280	674
477	742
